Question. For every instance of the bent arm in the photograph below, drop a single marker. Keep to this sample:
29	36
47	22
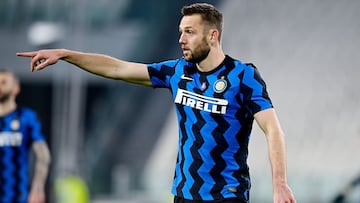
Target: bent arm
99	64
269	123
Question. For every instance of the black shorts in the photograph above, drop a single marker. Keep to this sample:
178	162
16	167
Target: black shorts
231	200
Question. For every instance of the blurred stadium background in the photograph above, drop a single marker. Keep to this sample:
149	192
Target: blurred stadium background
121	139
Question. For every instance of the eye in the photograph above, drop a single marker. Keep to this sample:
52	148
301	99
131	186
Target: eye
190	32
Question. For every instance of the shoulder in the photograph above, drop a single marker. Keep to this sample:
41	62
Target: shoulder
168	63
26	110
230	61
27	113
239	66
168	68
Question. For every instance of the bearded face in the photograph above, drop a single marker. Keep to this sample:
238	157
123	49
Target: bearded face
193	39
199	53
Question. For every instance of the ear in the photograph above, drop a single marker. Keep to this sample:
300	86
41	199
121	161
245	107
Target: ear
214	35
17	89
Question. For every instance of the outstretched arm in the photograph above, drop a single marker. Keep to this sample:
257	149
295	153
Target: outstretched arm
270	125
98	64
42	162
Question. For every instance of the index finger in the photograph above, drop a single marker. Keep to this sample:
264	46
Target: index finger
26	54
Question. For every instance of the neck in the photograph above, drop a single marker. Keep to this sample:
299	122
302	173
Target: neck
213	60
7	107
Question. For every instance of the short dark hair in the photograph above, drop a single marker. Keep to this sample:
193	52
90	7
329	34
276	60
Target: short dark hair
208	13
13	75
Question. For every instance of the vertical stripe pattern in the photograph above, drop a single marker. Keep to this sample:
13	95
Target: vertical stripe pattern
17	131
215	115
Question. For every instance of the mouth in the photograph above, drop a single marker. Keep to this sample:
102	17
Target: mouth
185	50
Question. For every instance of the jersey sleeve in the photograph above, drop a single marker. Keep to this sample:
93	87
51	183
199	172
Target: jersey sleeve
160	73
254	91
34	126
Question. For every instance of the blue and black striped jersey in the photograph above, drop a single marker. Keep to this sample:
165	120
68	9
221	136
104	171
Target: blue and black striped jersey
18	130
215	115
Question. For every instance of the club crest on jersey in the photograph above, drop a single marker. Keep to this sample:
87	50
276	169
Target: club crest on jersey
15	124
220	85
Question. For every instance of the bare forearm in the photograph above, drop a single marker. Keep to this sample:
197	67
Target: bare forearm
42	163
277	156
108	66
281	189
98	64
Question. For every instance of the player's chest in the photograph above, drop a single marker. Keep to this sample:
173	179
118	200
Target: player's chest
210	94
10	132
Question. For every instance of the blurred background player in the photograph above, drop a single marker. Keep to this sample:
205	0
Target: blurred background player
20	131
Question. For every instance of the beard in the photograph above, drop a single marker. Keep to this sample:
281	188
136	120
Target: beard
4	97
200	52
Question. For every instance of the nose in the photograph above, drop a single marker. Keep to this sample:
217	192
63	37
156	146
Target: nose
181	39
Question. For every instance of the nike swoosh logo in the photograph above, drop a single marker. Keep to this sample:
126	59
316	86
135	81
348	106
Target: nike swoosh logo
186	78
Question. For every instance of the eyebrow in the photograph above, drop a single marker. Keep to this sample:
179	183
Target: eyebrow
186	28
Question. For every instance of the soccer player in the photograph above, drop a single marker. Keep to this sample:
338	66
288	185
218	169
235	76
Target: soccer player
20	131
216	98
